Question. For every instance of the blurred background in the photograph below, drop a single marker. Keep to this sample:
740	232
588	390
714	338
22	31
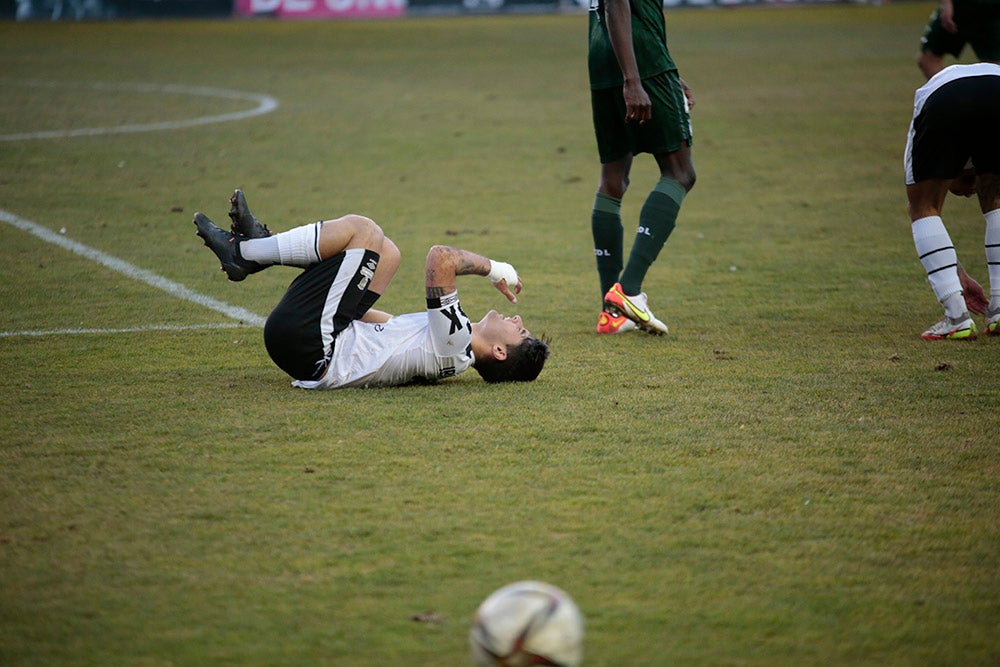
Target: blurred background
81	10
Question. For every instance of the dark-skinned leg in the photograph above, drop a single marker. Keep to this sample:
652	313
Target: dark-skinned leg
659	215
606	221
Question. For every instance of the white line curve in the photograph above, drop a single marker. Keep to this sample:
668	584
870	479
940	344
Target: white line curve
265	104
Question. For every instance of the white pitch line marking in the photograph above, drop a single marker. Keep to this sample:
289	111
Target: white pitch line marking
265	104
166	327
132	271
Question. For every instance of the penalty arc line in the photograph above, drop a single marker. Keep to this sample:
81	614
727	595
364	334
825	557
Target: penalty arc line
265	104
132	271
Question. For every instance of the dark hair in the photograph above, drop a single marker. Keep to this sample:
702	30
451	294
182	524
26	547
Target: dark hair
523	363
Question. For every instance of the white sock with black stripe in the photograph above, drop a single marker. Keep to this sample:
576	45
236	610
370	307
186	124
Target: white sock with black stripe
993	256
937	254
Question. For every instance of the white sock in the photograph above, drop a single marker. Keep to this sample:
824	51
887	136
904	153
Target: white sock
954	306
299	246
262	251
993	256
937	254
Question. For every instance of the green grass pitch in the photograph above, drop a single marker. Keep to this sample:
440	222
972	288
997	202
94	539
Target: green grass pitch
792	477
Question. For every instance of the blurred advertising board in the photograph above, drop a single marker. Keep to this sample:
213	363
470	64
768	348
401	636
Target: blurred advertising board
320	9
324	9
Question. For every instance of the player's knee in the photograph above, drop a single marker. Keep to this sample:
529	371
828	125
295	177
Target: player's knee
615	178
688	178
989	191
365	229
685	176
614	187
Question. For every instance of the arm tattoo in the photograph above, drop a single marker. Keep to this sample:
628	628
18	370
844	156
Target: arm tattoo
467	266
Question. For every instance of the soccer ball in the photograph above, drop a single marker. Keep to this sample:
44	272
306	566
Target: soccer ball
527	623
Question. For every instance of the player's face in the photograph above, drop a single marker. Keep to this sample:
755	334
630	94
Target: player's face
507	330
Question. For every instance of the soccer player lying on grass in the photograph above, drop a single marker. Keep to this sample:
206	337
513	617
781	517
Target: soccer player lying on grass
324	331
953	144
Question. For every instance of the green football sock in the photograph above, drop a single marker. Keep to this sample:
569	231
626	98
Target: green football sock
606	226
656	221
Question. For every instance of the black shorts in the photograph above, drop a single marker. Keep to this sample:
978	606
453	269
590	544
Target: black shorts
958	122
320	303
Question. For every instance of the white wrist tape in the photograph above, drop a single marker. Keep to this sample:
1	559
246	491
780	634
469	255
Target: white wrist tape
502	271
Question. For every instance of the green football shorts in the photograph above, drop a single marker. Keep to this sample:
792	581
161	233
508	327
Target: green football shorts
978	26
665	132
939	41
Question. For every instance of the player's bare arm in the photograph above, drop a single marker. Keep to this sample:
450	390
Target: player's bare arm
445	263
975	298
618	16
